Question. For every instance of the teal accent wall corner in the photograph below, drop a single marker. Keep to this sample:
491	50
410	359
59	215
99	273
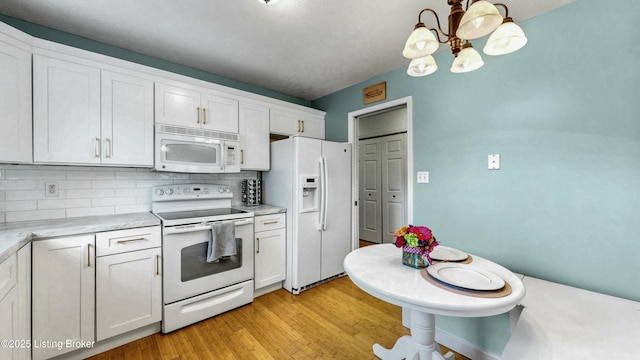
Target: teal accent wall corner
80	42
563	114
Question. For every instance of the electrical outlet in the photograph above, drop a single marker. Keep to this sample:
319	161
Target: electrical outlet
423	177
51	189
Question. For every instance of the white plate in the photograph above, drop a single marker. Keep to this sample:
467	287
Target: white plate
445	253
465	276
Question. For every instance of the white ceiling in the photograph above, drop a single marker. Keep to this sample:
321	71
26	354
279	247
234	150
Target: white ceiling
303	48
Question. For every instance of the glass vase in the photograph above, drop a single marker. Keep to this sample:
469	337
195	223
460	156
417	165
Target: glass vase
416	261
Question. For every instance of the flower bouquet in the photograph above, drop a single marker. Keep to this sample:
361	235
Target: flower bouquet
416	242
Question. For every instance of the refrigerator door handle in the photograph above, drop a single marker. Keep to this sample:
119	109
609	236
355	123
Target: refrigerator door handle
324	183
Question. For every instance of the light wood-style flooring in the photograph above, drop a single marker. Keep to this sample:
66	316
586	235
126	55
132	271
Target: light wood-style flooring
335	320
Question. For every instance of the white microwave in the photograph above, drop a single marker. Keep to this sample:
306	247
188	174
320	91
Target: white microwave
187	150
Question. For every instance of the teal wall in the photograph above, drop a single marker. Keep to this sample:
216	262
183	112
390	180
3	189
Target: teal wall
120	53
564	114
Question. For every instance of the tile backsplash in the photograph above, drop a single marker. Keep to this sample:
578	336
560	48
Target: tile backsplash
39	192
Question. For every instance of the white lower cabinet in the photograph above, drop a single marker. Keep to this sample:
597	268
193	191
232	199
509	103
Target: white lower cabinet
270	248
15	305
128	280
64	286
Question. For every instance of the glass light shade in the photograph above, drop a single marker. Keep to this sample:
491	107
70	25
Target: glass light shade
420	43
422	66
481	18
467	60
508	38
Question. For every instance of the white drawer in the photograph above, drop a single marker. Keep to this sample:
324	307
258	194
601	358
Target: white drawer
7	275
119	241
270	222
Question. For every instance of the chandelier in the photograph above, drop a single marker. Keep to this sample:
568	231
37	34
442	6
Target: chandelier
480	19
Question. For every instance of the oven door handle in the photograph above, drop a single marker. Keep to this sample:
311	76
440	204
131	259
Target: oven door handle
207	227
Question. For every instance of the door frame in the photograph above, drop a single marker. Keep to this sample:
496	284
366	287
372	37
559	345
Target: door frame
353	140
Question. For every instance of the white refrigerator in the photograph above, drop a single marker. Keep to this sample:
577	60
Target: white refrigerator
311	178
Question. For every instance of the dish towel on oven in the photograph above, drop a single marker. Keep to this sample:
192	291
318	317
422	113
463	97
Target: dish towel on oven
222	242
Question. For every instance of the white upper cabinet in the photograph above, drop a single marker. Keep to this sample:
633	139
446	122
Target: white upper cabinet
66	112
293	122
186	107
15	102
127	120
85	115
254	137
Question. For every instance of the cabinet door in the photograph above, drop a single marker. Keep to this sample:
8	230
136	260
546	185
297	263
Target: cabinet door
15	104
128	292
177	106
219	113
9	325
254	137
127	120
285	122
64	283
270	257
66	112
312	127
24	301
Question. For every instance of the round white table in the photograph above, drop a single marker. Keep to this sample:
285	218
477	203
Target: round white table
378	270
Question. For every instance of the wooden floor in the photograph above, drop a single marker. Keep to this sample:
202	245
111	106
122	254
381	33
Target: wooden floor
335	320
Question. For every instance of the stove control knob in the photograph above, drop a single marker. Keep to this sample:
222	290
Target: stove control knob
221	189
169	191
227	190
159	192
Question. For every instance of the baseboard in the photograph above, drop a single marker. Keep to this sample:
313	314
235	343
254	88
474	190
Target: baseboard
463	347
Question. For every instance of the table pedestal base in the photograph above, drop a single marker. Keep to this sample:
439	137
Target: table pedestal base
421	345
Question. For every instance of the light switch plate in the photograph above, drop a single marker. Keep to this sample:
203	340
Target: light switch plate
494	161
423	177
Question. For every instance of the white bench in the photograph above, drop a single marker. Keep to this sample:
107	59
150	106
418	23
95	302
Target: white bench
565	323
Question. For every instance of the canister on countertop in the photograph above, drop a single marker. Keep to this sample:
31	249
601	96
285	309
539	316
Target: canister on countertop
251	192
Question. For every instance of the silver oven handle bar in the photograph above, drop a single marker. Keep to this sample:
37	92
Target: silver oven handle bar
202	227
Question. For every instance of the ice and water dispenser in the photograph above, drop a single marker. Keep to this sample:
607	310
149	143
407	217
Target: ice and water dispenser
309	196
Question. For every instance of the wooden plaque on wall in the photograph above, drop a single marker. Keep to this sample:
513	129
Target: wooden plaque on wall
375	93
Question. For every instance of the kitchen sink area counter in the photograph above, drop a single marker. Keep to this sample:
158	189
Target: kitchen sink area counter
15	235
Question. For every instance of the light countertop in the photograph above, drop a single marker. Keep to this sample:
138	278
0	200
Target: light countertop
15	235
262	209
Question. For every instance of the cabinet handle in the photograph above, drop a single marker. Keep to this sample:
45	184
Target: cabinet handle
302	121
130	240
109	148
241	157
88	255
157	264
258	250
298	125
270	222
204	115
96	147
198	121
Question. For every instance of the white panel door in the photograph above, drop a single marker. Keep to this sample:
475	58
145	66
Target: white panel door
66	112
128	292
63	280
127	120
370	209
15	104
394	184
177	106
219	113
336	236
254	137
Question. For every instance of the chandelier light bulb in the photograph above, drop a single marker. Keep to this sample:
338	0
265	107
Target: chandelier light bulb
423	66
508	38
